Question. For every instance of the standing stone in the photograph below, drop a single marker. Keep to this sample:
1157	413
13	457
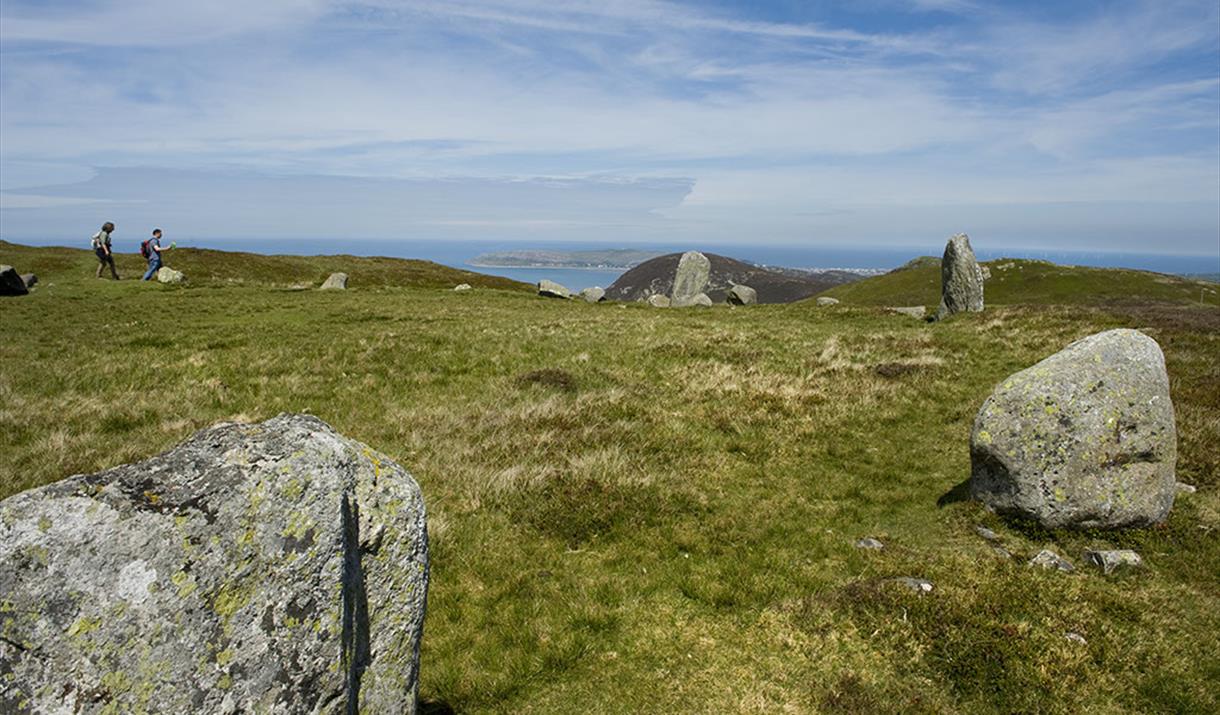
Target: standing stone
741	295
169	275
658	301
690	278
551	289
1085	438
595	294
11	283
336	281
961	279
275	567
827	300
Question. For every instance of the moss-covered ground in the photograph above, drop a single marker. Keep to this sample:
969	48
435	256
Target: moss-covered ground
642	510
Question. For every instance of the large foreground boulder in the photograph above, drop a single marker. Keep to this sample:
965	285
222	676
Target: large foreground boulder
961	279
168	275
1085	438
278	567
11	283
690	279
335	281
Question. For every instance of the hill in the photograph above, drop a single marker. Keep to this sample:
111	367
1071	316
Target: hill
206	267
534	258
656	276
1016	281
640	510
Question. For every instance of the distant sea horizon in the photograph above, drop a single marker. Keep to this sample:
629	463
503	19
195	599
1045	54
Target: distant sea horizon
458	254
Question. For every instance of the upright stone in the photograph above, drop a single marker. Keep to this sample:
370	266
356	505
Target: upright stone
10	282
741	295
274	567
1085	438
690	278
961	279
336	281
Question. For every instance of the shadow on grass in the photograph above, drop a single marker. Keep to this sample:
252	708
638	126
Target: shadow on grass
959	493
435	707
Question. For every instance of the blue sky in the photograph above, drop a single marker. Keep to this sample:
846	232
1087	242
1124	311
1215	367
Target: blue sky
1070	125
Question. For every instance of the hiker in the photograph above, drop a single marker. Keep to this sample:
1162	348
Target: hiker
101	246
151	249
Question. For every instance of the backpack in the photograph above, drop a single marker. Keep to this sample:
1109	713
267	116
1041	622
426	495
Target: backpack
145	249
96	242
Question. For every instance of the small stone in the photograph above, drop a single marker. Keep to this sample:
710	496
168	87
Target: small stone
1048	559
336	281
986	533
169	275
1109	560
1184	488
658	301
594	294
1075	638
827	300
461	287
869	543
551	289
741	295
914	311
918	585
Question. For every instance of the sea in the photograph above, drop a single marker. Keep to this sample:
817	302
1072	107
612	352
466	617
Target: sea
458	254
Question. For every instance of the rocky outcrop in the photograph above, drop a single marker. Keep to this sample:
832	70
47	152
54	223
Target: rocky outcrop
741	295
595	294
690	279
335	281
171	276
771	285
11	283
551	289
274	567
1085	438
961	279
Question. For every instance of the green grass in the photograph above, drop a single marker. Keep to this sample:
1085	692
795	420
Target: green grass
641	510
1022	282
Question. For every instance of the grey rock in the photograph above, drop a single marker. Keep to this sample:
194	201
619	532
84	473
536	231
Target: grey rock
699	300
827	300
276	567
1075	638
1048	559
171	276
919	585
11	283
658	301
1001	552
551	289
335	281
29	279
985	272
961	279
1109	560
1085	438
869	543
741	295
690	278
914	311
595	294
1184	488
461	287
986	533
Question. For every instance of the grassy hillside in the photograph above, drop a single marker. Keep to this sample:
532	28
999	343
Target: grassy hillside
1015	281
205	267
640	510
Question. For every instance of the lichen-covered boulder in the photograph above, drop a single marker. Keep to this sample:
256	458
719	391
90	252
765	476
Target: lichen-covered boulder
1085	438
551	289
961	279
11	283
168	275
276	567
690	278
741	295
594	294
335	281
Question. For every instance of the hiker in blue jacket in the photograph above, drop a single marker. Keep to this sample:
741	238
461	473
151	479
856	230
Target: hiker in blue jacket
152	250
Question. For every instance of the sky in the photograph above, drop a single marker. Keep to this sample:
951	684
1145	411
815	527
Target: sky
1079	125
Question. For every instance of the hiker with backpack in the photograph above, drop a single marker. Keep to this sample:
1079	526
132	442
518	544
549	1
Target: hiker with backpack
151	250
101	247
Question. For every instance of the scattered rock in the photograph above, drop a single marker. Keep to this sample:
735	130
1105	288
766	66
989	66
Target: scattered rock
595	294
276	566
1075	638
986	533
1109	560
741	295
551	289
915	311
1184	488
961	279
11	283
690	278
1085	438
29	279
1048	559
169	275
869	543
462	287
918	585
335	281
658	301
827	300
